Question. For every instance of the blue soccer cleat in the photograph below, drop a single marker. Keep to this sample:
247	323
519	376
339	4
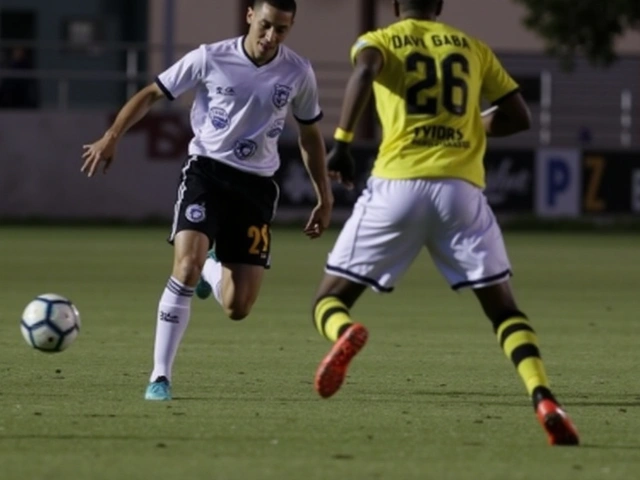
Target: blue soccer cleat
203	288
159	390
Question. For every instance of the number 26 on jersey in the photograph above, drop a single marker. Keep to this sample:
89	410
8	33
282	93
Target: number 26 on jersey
454	93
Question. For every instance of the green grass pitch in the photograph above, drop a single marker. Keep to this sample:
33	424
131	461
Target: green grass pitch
431	397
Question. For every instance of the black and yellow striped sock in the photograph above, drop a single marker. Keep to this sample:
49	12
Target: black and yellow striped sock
520	344
331	317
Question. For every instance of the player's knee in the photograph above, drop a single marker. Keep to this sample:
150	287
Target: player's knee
187	269
238	308
238	313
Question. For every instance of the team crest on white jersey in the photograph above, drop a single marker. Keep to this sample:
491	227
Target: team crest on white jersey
281	94
219	118
226	91
276	129
195	213
245	149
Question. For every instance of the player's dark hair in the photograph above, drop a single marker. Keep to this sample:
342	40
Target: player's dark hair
430	6
284	5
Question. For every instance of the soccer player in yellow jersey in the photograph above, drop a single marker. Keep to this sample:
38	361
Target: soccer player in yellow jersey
425	190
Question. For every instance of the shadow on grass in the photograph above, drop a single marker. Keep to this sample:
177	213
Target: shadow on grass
493	398
597	446
162	441
151	438
245	398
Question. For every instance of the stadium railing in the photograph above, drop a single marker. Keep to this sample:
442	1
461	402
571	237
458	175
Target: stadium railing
561	115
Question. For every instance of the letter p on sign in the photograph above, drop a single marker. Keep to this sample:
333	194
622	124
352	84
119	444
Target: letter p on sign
558	182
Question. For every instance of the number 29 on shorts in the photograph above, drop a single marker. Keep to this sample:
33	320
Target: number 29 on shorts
259	239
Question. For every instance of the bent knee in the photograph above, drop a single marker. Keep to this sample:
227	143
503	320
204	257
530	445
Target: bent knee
238	310
237	314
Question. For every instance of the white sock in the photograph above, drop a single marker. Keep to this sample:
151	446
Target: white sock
173	317
212	273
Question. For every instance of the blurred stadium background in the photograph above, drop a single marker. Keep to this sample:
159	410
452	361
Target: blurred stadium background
68	66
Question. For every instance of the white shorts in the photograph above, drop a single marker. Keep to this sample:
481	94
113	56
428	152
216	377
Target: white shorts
393	219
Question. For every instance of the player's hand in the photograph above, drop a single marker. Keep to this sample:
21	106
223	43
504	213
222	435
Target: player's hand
101	151
341	166
319	219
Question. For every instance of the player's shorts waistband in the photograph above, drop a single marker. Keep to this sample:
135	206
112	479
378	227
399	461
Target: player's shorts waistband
222	170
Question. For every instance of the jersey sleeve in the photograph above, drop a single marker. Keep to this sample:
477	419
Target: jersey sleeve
183	75
369	40
497	84
305	105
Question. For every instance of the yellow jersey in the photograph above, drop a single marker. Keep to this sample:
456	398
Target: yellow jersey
428	96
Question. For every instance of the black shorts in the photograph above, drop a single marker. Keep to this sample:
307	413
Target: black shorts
233	208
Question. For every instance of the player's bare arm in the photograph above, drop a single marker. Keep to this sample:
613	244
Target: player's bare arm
312	148
132	112
511	116
368	64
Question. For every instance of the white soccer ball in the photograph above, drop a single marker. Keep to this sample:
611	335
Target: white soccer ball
50	323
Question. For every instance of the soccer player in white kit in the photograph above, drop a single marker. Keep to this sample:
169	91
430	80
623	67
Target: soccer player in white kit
425	191
226	196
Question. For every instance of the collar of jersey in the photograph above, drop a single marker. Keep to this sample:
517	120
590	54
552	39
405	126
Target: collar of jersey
246	54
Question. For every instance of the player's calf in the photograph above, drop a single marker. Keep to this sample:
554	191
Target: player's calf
331	317
520	344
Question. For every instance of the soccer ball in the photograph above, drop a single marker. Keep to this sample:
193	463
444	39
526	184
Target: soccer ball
50	323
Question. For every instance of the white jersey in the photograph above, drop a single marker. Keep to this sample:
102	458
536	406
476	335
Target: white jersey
239	109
